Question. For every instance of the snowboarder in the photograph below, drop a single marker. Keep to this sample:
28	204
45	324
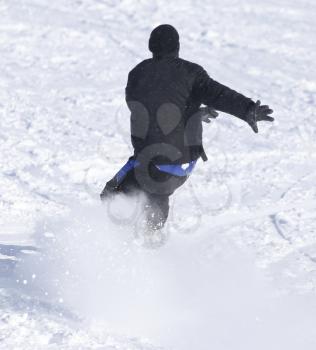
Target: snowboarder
165	94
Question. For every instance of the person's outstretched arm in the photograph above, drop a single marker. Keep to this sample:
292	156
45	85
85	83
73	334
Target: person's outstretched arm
224	99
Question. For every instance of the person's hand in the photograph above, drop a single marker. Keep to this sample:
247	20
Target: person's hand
258	113
207	113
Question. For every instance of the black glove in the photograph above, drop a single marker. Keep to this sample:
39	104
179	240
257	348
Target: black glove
258	113
207	113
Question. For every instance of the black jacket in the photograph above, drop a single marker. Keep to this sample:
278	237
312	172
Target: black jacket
164	95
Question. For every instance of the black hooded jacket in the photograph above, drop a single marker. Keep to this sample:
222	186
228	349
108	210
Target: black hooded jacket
164	94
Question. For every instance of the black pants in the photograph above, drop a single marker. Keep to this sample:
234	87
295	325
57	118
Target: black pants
155	184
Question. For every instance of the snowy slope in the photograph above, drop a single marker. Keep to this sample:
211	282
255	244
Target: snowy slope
239	272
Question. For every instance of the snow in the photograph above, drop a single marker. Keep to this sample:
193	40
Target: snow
236	266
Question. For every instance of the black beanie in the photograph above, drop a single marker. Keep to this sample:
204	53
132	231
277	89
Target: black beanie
164	39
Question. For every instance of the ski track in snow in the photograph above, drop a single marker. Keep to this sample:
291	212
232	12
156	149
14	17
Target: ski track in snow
64	131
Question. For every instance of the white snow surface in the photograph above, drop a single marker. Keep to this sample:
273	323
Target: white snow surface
237	267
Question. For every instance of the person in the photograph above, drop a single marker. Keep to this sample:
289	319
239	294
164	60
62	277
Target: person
169	98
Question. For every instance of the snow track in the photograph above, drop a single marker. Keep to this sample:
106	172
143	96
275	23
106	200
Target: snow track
64	131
